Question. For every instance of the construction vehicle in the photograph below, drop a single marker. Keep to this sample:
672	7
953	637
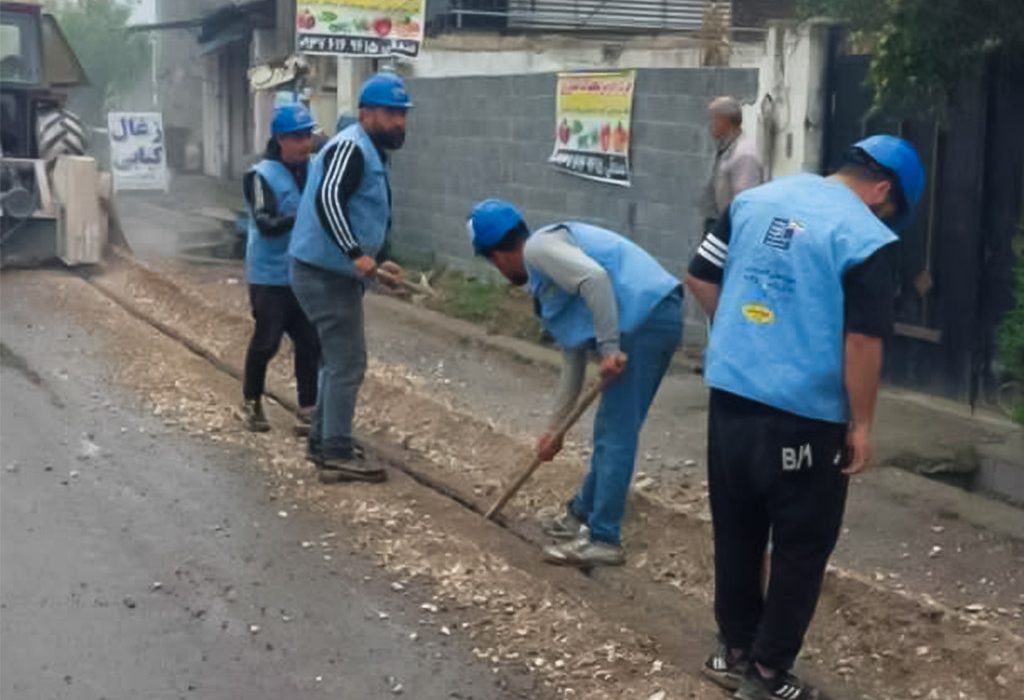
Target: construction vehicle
50	191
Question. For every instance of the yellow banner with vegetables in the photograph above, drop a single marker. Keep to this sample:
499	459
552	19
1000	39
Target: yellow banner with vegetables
360	27
592	125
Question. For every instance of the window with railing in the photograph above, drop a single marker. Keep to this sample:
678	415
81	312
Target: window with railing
576	15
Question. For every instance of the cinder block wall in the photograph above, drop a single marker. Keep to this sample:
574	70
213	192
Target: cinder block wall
476	137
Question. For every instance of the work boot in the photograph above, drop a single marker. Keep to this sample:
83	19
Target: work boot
352	467
303	421
784	686
253	417
584	553
726	669
564	527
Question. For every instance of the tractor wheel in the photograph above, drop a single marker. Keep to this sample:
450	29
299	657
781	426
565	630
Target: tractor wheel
59	133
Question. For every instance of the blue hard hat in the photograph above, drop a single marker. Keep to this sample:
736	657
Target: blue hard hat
900	158
291	118
489	222
385	90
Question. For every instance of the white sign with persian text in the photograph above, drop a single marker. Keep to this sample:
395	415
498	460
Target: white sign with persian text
138	154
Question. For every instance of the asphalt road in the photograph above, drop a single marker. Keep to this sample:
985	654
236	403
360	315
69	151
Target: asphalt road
138	562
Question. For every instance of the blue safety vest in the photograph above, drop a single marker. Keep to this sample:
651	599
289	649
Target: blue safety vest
778	333
266	257
369	209
639	281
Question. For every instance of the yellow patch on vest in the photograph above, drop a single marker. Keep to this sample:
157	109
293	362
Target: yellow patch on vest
758	313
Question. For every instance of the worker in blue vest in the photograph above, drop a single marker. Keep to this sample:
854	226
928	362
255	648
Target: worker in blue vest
272	192
594	290
340	230
798	277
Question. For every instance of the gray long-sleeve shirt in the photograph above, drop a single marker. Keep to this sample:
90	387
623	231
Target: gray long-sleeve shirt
737	167
556	253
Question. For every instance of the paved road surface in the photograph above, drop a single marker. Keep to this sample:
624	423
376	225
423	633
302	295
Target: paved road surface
100	501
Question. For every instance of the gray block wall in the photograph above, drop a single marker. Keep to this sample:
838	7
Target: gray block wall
476	137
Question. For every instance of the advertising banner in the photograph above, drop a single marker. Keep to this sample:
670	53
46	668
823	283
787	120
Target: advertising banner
360	27
592	125
138	156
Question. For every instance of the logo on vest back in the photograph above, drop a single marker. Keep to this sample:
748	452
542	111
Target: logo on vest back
780	233
758	313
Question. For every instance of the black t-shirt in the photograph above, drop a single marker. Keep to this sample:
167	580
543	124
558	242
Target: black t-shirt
868	288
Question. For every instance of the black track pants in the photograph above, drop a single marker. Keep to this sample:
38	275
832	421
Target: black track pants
276	312
771	472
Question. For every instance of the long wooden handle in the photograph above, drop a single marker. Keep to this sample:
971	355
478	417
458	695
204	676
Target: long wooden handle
560	431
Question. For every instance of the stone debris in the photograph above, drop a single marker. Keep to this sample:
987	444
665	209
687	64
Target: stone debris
88	449
254	629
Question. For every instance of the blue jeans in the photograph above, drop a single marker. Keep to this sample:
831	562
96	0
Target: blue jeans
334	304
601	500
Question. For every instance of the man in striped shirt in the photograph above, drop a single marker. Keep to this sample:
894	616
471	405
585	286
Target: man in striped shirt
340	232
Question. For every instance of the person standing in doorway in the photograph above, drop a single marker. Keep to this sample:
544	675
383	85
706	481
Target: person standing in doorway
273	189
341	228
594	290
798	278
737	166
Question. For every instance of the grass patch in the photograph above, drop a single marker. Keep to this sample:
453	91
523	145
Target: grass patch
498	307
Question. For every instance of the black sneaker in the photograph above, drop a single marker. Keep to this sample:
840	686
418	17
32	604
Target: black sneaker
351	467
725	670
253	417
784	686
314	455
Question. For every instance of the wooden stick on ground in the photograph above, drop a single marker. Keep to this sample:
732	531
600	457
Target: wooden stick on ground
560	431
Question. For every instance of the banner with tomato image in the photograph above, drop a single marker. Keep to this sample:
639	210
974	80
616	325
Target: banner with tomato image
592	125
360	27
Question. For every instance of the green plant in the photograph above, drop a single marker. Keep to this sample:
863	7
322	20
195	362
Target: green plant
114	59
474	299
922	48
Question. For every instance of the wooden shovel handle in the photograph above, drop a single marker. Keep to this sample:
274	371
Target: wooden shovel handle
563	427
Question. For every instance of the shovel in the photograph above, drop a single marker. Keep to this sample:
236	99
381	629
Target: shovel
563	427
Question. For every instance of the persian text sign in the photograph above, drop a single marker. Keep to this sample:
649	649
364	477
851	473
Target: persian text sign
138	157
360	27
592	125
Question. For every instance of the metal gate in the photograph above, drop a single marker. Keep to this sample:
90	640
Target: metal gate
955	271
